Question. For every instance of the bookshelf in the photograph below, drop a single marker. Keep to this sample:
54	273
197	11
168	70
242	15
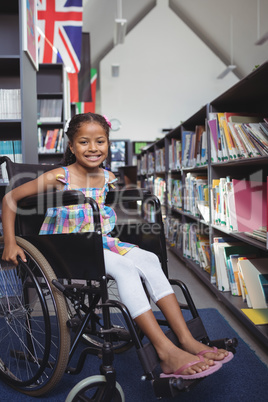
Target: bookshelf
17	73
247	96
53	108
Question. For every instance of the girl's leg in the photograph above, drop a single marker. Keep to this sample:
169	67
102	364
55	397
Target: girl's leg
162	294
171	310
132	294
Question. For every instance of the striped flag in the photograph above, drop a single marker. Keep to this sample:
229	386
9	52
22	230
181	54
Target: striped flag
85	107
59	27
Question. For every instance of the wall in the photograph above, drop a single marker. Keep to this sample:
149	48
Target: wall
166	74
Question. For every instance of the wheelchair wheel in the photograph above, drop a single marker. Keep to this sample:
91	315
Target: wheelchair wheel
34	338
91	389
121	339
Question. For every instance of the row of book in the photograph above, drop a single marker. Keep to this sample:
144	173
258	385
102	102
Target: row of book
50	141
174	191
194	147
242	270
12	149
173	232
196	246
160	189
10	104
237	136
49	110
196	194
142	165
240	205
160	160
174	154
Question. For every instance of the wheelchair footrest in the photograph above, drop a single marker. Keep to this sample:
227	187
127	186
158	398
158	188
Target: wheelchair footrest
170	387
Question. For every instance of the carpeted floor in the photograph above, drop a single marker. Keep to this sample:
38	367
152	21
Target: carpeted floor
243	379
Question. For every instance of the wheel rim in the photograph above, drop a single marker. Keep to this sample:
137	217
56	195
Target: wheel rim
92	388
32	334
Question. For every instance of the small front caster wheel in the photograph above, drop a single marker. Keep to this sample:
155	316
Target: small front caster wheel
92	388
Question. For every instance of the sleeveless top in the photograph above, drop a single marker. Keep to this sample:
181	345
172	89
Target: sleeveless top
78	218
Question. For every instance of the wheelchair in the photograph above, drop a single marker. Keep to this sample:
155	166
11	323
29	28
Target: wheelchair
59	299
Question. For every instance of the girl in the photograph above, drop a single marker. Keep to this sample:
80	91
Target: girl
88	145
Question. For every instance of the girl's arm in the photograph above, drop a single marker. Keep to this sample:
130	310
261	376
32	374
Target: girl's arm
9	208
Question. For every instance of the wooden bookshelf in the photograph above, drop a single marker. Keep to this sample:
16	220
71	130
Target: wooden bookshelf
248	95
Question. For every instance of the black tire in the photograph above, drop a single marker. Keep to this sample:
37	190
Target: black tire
34	338
91	389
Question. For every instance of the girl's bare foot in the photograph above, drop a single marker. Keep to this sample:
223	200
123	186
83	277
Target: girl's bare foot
195	347
176	358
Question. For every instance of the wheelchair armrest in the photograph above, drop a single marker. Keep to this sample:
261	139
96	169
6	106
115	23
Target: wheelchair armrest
119	197
125	195
38	204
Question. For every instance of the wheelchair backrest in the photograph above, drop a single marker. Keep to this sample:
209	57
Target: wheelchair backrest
20	173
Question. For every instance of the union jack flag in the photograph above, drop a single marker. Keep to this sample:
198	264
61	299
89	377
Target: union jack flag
59	26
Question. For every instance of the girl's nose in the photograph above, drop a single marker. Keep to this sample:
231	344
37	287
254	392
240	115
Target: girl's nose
92	147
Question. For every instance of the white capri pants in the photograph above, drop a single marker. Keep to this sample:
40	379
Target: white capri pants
127	270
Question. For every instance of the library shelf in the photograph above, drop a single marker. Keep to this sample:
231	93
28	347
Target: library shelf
248	96
54	110
17	73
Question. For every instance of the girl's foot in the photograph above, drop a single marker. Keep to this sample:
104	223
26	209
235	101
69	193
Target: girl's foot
176	358
199	349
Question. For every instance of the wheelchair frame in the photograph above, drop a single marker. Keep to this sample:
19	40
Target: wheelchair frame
55	277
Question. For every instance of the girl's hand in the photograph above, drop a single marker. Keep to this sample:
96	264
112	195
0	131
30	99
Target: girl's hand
11	252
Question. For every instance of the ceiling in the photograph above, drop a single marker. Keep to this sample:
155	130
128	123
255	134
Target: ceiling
230	28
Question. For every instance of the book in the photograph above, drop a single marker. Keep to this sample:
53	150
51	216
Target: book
199	130
259	234
263	278
250	204
245	294
215	151
225	152
252	269
257	316
219	244
231	255
186	146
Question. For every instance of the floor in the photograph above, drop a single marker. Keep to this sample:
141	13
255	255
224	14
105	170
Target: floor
203	297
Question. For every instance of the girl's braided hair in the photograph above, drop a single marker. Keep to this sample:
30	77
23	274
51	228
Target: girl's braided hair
74	126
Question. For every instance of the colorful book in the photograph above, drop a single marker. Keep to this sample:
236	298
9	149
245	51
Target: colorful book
252	269
250	204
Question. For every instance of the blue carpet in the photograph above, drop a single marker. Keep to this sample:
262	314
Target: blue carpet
243	379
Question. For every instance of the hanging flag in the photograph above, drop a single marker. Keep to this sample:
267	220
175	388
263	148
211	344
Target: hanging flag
80	83
59	27
85	107
84	76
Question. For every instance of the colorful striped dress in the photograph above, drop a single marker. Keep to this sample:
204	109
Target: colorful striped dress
78	218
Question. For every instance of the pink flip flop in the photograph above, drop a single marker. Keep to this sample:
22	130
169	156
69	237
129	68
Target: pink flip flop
205	373
215	350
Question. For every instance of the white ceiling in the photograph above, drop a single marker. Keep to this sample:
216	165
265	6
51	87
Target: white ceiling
229	27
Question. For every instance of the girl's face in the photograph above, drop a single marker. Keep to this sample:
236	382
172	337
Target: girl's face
90	145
